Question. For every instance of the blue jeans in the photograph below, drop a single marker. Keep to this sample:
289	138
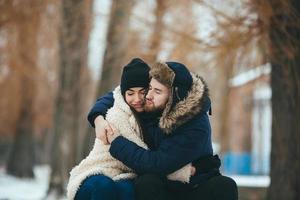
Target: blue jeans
100	187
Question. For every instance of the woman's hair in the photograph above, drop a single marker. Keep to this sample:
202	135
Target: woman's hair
137	118
135	74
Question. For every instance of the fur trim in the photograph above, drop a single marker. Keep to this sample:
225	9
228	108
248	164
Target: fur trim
186	109
163	73
99	161
182	175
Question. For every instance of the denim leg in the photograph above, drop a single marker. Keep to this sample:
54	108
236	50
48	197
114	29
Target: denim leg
97	187
125	189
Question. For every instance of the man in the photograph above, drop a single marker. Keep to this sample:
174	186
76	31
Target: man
177	132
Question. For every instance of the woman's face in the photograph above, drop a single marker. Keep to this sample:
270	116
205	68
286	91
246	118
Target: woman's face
135	98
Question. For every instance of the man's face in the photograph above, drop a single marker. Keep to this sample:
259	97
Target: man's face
157	96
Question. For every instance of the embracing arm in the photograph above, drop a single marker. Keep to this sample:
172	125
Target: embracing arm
100	108
174	152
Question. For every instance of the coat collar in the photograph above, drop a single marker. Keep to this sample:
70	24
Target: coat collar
186	109
120	101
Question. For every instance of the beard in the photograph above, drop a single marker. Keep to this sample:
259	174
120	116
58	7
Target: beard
150	107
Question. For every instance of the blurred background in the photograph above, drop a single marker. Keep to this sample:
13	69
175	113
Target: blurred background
57	57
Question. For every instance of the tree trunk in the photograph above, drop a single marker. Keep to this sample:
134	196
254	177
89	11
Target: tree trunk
21	159
285	83
73	51
114	56
116	45
221	99
24	59
157	33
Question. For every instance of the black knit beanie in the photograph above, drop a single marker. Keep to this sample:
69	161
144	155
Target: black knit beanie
135	74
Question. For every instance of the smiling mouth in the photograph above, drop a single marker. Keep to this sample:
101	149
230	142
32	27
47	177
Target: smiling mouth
137	106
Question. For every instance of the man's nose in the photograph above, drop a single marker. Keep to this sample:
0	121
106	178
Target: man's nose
149	95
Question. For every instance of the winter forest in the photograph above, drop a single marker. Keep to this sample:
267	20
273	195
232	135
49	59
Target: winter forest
58	57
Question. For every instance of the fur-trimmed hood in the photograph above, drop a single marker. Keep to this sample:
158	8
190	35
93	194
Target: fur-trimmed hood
189	94
197	101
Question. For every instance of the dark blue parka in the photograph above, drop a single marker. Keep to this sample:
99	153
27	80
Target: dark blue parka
175	138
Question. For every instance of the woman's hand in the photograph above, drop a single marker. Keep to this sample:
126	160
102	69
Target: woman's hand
102	128
112	135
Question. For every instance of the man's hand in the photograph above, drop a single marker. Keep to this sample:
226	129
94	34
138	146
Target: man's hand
102	128
111	135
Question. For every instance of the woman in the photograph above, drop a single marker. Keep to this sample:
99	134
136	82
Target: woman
100	176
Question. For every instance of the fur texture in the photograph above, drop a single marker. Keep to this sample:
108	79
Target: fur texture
186	109
164	74
99	161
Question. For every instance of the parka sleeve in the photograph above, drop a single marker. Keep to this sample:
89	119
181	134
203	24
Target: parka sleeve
186	145
100	107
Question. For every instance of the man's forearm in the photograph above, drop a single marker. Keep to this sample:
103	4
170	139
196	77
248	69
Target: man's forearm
142	160
100	107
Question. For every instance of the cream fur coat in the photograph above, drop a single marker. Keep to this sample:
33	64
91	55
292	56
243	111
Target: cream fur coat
99	161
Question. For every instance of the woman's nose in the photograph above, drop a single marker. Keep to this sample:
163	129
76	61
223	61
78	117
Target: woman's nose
137	98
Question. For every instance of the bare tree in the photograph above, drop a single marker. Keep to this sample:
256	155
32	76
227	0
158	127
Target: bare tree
115	53
284	31
277	28
184	28
236	38
116	44
75	16
24	18
157	32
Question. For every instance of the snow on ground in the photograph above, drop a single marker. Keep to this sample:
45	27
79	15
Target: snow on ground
251	181
12	188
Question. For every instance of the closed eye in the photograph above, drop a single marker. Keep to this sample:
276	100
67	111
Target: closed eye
157	91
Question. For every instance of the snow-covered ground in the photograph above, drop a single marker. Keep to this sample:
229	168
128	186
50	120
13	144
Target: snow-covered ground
12	188
251	181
